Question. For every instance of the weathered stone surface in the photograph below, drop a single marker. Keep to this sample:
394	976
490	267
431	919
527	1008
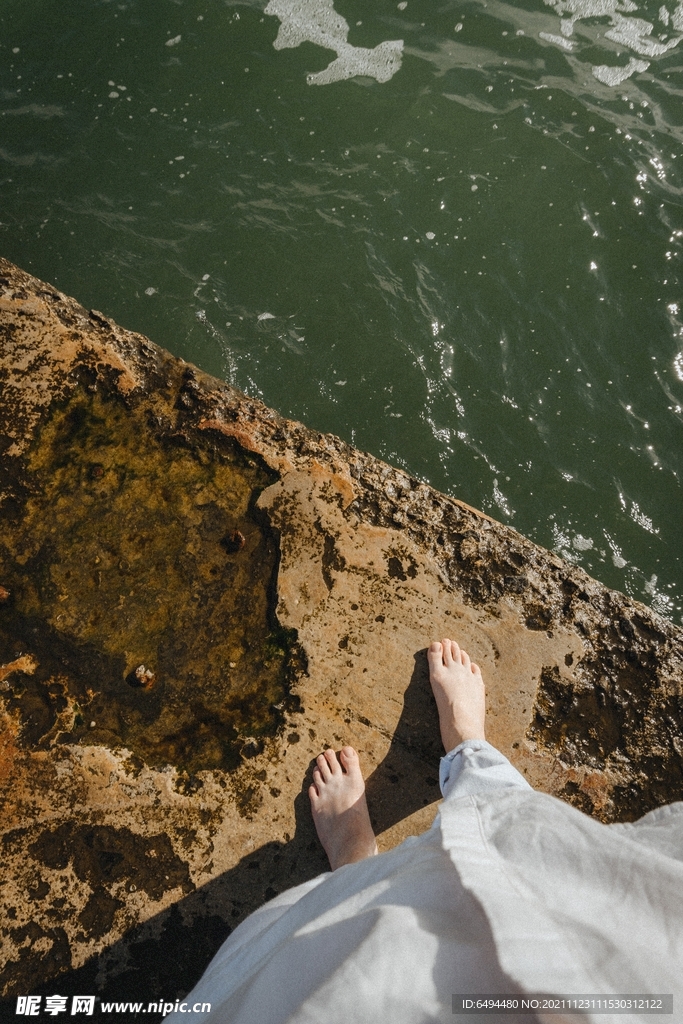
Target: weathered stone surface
196	596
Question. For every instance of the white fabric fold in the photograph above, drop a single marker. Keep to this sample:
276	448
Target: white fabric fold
477	767
511	891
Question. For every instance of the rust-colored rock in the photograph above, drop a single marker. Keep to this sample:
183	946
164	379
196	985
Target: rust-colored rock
203	595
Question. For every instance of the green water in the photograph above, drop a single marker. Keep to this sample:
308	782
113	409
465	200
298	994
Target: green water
471	268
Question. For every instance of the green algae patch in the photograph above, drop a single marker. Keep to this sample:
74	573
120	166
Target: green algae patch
141	581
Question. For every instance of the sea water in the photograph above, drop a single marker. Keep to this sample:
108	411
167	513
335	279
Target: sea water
447	230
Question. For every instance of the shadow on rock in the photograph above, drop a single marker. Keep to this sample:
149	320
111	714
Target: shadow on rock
408	777
162	959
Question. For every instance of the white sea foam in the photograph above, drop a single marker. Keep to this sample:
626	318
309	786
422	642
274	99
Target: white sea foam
634	33
660	602
613	76
562	544
578	9
566	44
678	365
316	21
501	501
617	555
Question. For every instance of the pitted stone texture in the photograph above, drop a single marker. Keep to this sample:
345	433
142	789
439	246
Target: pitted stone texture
119	855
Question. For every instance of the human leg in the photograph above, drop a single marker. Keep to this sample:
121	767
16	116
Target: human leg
338	804
459	692
471	764
340	810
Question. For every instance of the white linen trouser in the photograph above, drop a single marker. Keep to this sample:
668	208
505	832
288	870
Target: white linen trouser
475	767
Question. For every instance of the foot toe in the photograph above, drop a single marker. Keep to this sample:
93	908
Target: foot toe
323	766
332	762
434	652
349	758
447	648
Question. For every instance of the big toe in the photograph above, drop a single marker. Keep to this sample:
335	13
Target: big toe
349	759
435	655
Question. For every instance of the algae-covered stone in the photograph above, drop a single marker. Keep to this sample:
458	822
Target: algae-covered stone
151	627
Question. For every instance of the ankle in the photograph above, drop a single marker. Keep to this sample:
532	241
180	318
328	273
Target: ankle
453	735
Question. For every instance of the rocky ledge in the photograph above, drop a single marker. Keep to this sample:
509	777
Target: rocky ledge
197	596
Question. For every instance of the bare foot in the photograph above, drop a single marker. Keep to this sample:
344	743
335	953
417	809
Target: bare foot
340	812
459	692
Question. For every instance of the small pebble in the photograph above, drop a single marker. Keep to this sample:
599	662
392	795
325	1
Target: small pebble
233	542
145	677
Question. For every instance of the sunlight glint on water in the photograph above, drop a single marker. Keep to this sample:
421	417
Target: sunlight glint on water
450	235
